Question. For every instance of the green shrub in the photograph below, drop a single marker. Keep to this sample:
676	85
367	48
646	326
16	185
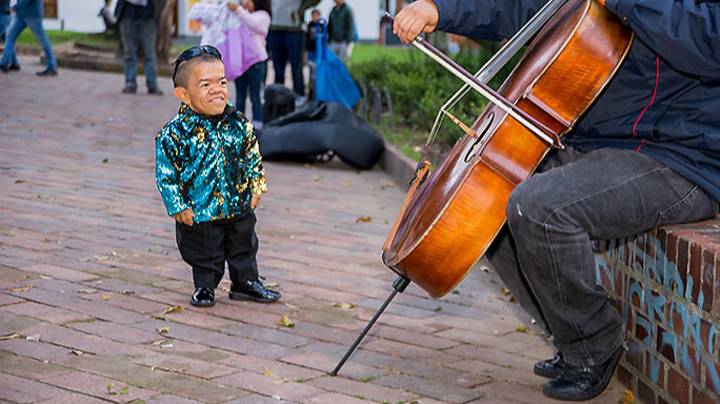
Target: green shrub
419	86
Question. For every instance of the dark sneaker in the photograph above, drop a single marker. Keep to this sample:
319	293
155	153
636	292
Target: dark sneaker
14	68
583	383
255	291
155	91
551	368
129	89
203	297
48	72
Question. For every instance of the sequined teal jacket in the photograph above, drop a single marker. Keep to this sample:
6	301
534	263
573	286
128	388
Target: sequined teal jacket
211	165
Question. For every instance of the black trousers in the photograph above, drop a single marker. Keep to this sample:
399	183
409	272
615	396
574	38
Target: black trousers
206	246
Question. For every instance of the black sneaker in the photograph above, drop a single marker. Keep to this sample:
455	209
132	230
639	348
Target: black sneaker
48	72
155	91
14	68
583	383
203	297
129	89
255	291
551	368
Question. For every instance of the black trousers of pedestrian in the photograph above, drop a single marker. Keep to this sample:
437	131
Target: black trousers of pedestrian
544	254
207	246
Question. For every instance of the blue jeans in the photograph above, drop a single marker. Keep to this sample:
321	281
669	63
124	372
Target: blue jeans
286	46
17	26
544	254
143	32
252	79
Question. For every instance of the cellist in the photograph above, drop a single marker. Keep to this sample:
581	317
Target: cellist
646	153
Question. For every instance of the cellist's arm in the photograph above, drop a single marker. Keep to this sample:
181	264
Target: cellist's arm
481	19
685	33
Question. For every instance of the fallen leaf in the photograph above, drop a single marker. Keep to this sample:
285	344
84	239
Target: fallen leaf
522	329
348	184
105	297
19	181
161	318
344	306
628	398
163	330
268	372
105	160
120	392
439	308
316	178
363	219
272	285
505	291
286	322
22	288
10	336
172	309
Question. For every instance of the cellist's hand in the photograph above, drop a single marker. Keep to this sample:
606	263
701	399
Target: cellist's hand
417	17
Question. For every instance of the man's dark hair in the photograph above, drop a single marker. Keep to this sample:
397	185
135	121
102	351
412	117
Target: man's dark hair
264	5
183	71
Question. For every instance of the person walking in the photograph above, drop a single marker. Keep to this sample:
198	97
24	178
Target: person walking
341	29
137	22
28	14
255	14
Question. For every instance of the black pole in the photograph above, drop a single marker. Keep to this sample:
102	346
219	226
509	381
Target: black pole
400	284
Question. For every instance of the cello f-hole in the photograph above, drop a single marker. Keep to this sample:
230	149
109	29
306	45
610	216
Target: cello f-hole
482	130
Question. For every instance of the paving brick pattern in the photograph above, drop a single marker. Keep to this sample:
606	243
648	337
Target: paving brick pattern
89	267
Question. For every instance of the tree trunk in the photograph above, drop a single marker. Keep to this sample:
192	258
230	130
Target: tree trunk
165	28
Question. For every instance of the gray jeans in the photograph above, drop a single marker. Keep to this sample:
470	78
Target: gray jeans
544	254
139	32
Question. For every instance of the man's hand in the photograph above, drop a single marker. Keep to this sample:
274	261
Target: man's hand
420	16
185	217
255	200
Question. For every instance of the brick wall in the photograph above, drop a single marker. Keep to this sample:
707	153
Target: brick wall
667	287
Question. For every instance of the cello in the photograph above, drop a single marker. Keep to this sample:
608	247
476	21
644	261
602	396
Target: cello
450	216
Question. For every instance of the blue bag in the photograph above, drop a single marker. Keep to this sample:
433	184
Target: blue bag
333	82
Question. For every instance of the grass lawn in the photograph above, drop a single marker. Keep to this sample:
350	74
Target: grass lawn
56	37
363	53
97	40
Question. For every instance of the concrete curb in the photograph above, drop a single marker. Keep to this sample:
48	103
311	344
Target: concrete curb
398	166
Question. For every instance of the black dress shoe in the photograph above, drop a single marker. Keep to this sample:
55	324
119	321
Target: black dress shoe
48	72
203	297
583	383
551	368
253	290
129	89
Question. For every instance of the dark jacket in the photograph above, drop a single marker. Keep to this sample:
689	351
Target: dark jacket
123	9
341	27
664	100
29	8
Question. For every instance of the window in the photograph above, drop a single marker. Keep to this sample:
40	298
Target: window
51	9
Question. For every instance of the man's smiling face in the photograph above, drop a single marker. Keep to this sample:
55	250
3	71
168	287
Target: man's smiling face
206	91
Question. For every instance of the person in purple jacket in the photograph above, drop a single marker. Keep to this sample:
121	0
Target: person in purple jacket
646	153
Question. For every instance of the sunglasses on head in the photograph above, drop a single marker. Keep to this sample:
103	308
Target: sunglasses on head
193	52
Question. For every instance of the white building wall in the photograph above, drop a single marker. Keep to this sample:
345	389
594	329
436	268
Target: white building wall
78	15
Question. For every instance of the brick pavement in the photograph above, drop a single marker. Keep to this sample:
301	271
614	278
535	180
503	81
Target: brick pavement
88	265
